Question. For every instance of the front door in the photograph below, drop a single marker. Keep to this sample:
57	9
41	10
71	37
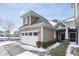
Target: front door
62	36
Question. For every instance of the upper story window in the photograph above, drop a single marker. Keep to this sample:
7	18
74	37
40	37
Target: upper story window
26	21
35	33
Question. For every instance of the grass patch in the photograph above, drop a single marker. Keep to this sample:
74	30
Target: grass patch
47	44
60	50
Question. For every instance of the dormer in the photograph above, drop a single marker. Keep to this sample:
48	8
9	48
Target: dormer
29	18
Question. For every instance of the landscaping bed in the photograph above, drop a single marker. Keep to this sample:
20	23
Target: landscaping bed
60	50
47	44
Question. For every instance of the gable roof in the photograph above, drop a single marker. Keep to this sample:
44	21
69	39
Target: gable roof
70	22
42	19
69	19
29	13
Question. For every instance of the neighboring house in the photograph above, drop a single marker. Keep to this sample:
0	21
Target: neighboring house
15	34
2	34
37	28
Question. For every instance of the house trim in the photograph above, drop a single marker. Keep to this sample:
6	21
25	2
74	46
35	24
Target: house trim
41	33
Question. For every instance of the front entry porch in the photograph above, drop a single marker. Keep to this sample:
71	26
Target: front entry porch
60	35
69	34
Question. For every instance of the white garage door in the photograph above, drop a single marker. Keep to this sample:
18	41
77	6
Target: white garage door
30	38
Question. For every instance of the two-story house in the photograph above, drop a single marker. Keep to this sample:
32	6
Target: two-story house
35	28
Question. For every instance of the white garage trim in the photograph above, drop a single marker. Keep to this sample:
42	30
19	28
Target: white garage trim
41	33
29	37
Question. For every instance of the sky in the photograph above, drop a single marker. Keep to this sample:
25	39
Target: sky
14	11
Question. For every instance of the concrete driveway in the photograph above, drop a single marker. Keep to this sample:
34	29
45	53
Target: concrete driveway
11	50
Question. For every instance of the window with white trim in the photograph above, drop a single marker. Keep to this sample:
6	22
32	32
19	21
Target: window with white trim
22	34
26	34
30	33
35	33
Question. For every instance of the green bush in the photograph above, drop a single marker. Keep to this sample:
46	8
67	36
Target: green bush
60	50
47	44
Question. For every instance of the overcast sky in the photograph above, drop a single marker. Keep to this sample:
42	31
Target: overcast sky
50	11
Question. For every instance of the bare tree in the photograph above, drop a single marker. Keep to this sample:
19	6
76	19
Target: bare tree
8	27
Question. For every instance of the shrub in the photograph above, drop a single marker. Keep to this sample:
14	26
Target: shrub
47	44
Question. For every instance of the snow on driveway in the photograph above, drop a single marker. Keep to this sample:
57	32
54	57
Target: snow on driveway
25	50
69	49
3	52
11	46
14	49
26	53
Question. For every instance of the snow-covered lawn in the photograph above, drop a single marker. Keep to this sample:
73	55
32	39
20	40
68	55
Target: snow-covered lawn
69	49
52	47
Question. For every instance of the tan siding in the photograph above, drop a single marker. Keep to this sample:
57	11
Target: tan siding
48	35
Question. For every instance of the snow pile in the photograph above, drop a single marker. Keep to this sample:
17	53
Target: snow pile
69	49
27	54
32	48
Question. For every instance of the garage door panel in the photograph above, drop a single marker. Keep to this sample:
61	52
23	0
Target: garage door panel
30	37
31	40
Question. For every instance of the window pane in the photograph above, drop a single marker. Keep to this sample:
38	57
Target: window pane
72	35
35	33
22	34
26	34
30	34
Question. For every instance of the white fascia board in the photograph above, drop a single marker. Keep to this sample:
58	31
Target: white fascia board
33	26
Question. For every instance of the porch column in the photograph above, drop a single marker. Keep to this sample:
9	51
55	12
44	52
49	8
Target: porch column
78	37
66	33
42	33
54	34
